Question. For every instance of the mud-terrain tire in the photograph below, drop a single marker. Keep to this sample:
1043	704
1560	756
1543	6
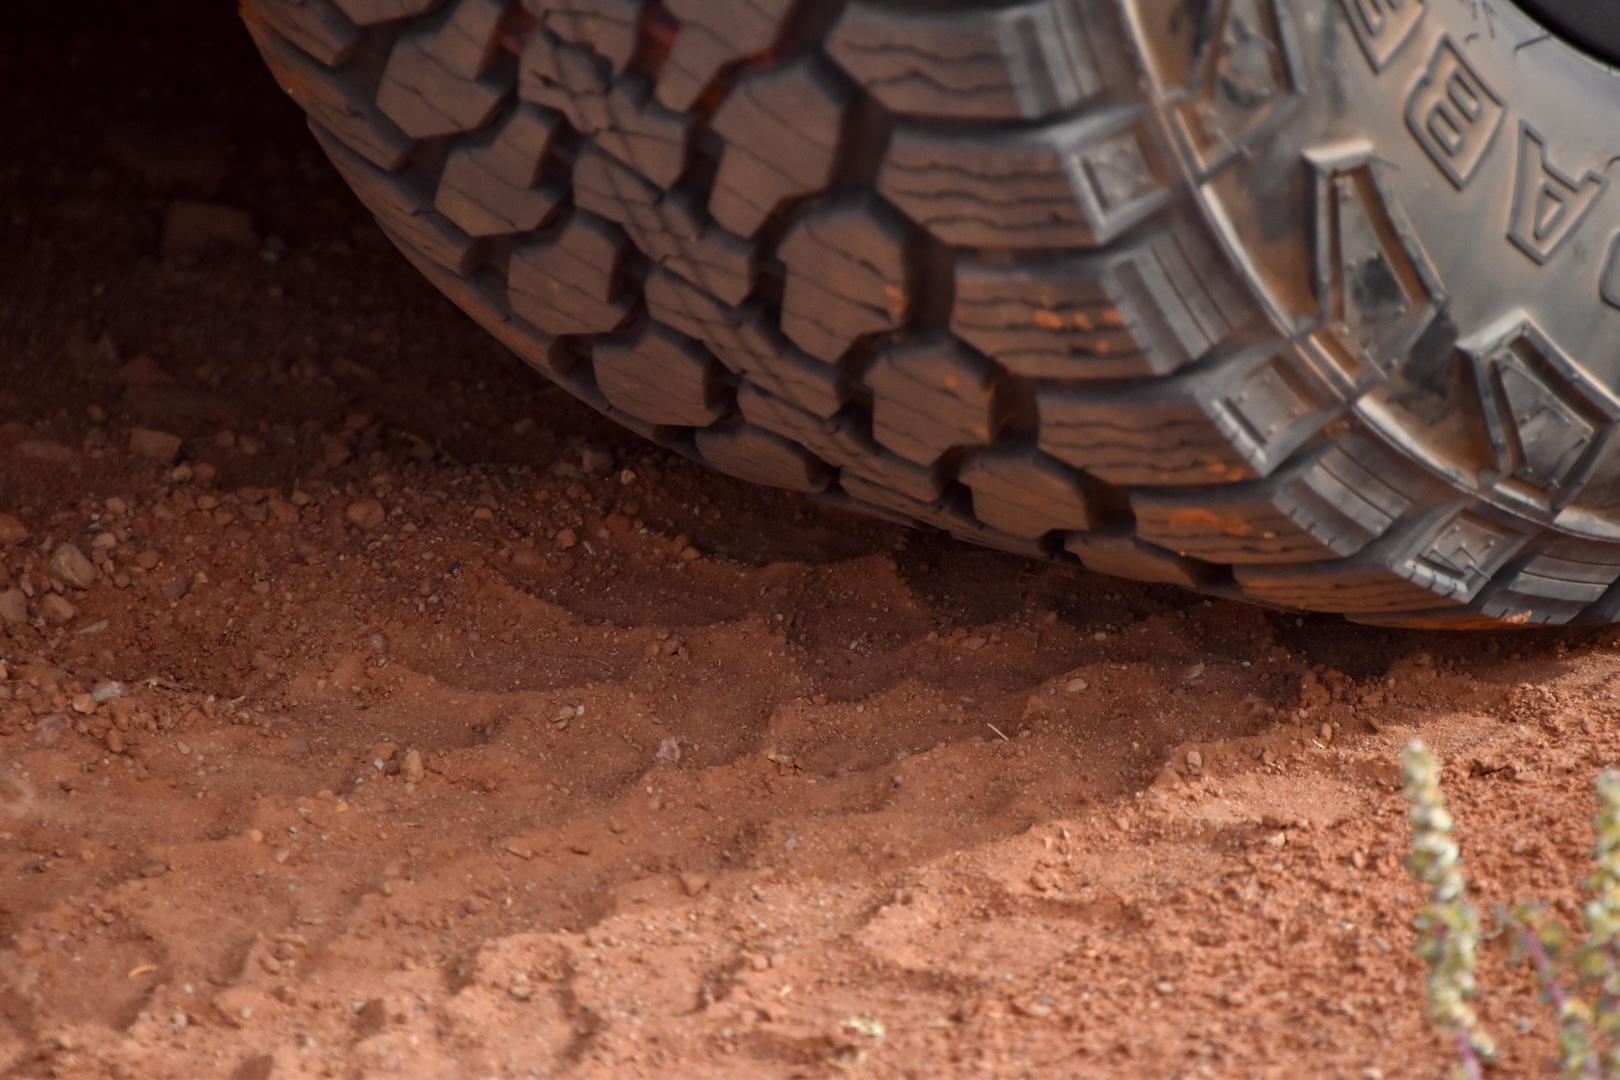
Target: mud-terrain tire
1310	302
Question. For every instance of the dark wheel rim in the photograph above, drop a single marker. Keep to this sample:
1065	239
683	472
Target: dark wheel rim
1592	25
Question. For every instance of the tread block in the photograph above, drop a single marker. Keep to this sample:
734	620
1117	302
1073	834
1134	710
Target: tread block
1247	73
763	458
372	12
606	27
570	282
864	490
664	227
316	26
971	532
1443	559
846	277
1235	420
1240	524
488	187
444	80
662	377
1075	183
1563	580
403	203
642	133
928	397
1353	493
338	102
1021	62
563	76
1128	557
1148	311
1025	493
712	34
781	129
835	440
467	42
897	474
1134	436
1329	507
839	441
1545	418
744	345
1377	290
621	114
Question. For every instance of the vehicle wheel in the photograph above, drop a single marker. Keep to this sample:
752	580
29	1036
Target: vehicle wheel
1313	303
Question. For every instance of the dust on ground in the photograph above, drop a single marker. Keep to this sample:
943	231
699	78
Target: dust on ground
368	707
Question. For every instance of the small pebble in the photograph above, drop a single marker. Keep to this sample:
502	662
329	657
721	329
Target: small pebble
158	446
48	730
56	609
694	883
566	539
366	513
1195	762
13	606
1074	686
413	770
70	566
12	531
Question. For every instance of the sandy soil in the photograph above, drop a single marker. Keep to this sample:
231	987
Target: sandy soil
368	707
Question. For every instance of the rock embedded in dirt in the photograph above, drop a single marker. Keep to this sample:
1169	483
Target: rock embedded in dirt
13	606
143	371
1074	686
47	450
693	883
70	566
159	446
12	531
1195	763
596	461
56	609
194	228
566	539
366	513
412	771
49	729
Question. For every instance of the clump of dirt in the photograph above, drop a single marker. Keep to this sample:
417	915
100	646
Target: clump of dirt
368	706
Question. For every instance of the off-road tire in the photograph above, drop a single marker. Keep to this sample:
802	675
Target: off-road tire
1313	302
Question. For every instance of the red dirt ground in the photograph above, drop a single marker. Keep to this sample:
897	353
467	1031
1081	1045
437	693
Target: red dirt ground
412	720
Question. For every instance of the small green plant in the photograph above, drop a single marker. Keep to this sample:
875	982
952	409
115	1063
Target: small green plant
1448	926
1449	934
